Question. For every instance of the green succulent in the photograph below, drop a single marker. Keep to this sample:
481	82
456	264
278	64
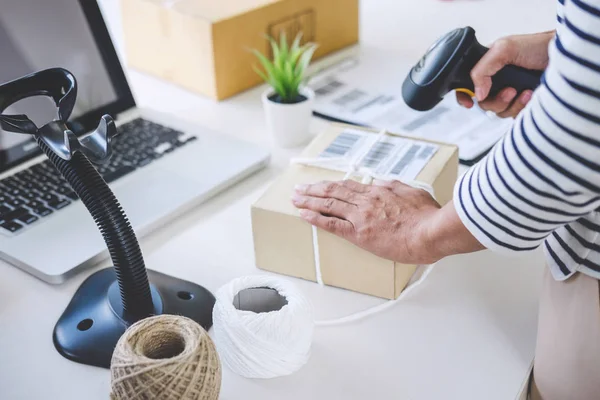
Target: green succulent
285	73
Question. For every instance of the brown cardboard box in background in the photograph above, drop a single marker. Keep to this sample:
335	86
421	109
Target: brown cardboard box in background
203	45
283	242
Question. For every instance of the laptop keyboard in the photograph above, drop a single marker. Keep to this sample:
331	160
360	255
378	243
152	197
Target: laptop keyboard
39	191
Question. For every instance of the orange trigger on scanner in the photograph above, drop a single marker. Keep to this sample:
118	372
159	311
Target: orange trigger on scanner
467	91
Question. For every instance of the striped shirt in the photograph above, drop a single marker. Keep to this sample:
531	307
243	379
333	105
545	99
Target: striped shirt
540	185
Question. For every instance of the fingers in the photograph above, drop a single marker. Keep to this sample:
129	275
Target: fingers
333	225
464	100
501	102
517	106
500	54
347	191
328	206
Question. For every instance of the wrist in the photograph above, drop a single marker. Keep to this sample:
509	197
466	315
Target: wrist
532	50
432	237
425	240
444	235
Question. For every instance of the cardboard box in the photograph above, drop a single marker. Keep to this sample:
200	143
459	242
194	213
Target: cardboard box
203	45
283	242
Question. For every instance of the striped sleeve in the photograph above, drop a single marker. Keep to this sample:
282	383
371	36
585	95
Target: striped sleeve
560	4
545	173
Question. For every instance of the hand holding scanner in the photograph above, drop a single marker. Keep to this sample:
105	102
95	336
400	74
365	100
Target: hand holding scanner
447	66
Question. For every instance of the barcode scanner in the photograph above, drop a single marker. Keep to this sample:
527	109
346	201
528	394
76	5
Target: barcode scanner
447	65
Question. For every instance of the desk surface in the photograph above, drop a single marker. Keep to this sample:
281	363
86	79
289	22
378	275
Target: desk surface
467	333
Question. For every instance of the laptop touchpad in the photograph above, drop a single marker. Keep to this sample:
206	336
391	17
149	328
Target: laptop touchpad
149	195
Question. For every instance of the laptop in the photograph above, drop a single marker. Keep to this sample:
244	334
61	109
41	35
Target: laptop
160	166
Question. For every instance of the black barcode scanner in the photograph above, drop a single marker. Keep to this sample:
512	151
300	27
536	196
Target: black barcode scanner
447	65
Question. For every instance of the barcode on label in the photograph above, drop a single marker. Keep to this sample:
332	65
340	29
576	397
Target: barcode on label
405	160
377	154
426	152
341	145
328	88
349	97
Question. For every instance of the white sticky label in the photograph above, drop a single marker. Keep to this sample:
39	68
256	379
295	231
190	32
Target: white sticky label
392	157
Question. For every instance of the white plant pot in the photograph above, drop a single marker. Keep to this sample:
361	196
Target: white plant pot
289	124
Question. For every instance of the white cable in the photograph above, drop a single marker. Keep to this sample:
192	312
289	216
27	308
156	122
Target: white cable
316	255
379	308
275	343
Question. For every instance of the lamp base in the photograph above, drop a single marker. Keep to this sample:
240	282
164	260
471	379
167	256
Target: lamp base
89	328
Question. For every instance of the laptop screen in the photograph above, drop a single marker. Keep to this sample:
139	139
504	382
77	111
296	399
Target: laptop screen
36	35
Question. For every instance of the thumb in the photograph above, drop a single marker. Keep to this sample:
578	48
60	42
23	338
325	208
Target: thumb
500	54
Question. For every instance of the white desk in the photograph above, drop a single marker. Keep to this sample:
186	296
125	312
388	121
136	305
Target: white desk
467	333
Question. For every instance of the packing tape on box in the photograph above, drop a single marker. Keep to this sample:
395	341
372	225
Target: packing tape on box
277	343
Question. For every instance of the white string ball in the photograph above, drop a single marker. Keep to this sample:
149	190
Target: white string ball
166	357
268	344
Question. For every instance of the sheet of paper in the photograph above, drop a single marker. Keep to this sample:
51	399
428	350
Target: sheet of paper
391	157
366	90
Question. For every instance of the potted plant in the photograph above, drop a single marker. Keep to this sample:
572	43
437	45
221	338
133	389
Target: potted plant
288	102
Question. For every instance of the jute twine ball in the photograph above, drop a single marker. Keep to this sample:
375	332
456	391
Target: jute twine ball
166	357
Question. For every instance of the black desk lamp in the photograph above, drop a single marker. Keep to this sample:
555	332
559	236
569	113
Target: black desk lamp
112	299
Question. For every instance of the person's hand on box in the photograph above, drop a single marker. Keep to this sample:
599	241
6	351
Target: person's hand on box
527	51
389	219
